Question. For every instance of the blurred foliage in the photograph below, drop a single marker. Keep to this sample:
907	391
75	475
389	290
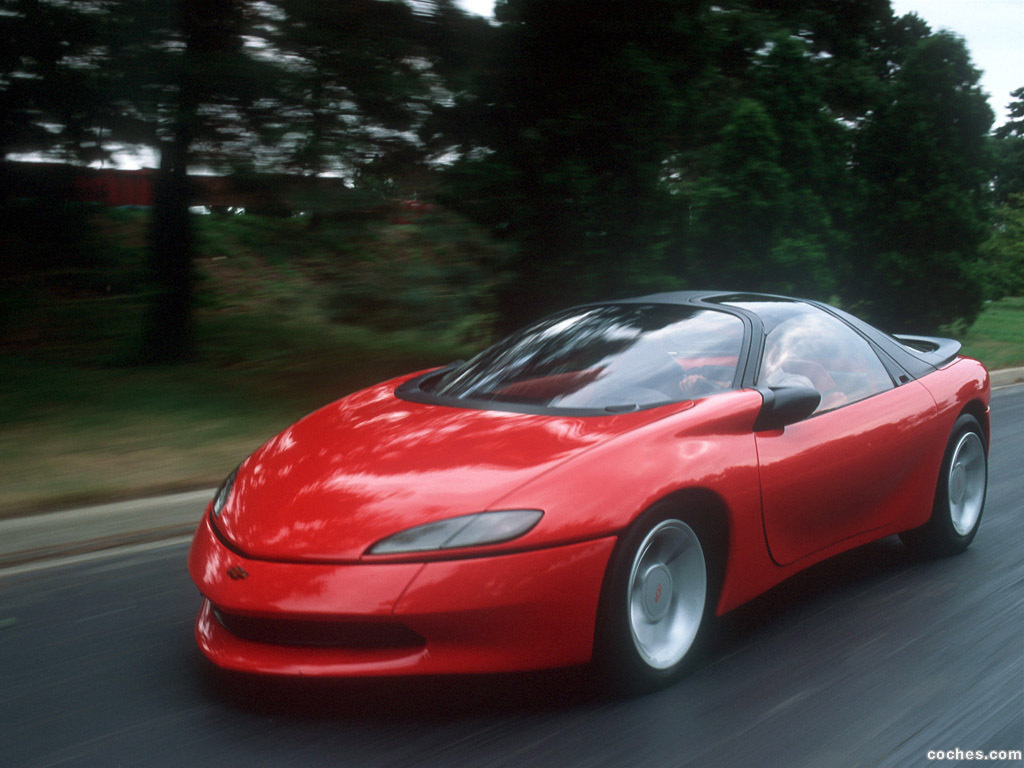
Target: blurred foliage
753	145
1008	147
68	279
817	147
437	274
354	91
923	160
77	290
78	425
53	91
1002	255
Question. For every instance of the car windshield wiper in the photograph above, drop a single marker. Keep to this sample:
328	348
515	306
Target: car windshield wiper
623	408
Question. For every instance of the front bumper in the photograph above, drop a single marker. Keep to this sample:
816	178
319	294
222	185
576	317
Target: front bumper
511	612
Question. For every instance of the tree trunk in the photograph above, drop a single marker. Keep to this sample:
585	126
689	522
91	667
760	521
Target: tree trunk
168	336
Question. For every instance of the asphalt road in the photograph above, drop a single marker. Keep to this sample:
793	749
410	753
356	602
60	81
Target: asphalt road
872	659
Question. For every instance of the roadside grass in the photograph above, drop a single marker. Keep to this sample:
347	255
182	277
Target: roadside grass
997	336
79	424
74	434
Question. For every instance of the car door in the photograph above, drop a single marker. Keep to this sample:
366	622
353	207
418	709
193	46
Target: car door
856	463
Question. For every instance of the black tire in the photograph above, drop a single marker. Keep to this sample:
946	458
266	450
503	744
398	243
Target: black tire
959	495
651	629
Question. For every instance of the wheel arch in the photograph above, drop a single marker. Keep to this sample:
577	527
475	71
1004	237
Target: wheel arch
942	535
707	513
980	412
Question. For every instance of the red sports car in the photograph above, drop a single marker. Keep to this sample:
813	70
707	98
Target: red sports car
596	487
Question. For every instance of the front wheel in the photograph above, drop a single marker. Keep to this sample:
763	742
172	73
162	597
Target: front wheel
656	605
959	496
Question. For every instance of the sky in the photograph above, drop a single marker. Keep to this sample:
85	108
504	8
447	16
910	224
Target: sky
993	29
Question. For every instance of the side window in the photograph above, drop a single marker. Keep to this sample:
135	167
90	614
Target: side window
817	350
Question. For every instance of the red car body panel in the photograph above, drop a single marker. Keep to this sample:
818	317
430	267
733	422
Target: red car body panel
962	385
707	448
291	544
473	613
848	471
305	591
371	465
476	613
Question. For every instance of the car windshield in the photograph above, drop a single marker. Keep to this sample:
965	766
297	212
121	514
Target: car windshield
604	356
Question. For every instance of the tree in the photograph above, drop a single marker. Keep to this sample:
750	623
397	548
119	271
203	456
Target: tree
337	87
572	126
1002	255
669	144
1008	148
768	188
208	30
1002	262
815	146
922	157
51	76
183	82
356	87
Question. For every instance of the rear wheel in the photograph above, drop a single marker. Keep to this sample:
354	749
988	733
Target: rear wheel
656	604
959	496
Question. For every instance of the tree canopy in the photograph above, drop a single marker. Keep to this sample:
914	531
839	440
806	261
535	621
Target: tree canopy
822	147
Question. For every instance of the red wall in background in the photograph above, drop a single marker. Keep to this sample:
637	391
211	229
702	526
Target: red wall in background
111	187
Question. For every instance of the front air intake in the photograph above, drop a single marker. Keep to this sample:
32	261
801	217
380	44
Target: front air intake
322	633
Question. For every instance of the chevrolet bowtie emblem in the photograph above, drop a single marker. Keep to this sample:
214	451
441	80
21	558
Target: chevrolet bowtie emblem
237	572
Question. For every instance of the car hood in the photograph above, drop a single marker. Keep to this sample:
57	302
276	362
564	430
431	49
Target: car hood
371	464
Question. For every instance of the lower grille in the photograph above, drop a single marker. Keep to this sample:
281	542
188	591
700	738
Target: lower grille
319	633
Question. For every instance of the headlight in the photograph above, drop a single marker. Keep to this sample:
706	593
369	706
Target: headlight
220	498
456	532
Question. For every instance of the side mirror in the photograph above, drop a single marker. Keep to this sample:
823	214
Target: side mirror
785	405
